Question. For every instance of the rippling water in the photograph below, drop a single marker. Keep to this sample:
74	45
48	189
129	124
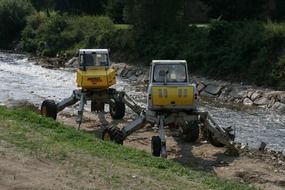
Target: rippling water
23	81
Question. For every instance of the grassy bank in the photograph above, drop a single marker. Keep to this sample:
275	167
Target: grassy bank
45	138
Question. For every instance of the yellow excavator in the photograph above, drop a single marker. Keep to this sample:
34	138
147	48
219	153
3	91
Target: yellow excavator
171	100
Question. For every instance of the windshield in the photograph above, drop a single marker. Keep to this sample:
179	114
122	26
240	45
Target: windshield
170	73
96	59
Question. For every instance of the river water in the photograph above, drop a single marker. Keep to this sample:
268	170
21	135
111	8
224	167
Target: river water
22	81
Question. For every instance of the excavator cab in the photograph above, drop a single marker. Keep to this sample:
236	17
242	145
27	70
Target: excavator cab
94	70
169	88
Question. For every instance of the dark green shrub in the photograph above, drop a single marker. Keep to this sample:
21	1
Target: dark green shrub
49	35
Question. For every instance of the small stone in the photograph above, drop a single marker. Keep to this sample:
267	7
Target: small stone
201	87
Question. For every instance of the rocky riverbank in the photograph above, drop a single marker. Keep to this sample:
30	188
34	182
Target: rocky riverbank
220	90
246	95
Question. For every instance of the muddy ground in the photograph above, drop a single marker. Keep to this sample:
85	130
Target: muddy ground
262	170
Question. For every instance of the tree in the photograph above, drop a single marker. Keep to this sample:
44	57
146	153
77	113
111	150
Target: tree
12	19
236	9
280	7
153	14
90	7
114	9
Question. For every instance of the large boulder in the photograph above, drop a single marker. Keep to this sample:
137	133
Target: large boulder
214	89
273	94
271	102
256	95
261	101
282	98
238	93
72	62
130	74
124	72
204	93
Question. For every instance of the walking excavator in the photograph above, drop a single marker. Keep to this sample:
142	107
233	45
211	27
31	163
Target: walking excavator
171	101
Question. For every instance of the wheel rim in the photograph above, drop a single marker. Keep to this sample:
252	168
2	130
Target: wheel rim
112	107
113	110
44	111
107	137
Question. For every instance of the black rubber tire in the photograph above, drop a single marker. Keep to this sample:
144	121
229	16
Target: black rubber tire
214	141
117	110
113	134
191	132
155	146
49	109
117	135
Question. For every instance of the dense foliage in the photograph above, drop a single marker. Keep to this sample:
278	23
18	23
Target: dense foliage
56	33
12	19
241	43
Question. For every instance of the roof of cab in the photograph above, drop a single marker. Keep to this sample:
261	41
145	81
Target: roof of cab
168	61
93	51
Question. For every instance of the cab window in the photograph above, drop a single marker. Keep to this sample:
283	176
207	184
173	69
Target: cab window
170	73
94	59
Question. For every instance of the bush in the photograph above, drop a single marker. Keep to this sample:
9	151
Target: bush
53	34
13	19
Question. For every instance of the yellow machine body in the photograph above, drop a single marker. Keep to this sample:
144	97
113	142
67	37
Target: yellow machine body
172	95
98	78
169	88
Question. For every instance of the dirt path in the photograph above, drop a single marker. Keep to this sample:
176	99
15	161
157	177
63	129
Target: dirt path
263	170
20	171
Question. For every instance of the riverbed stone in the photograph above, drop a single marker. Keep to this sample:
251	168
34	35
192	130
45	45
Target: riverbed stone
273	94
213	89
249	93
204	93
237	93
247	102
279	106
256	95
282	98
201	87
119	71
261	101
124	72
139	72
130	74
271	102
72	61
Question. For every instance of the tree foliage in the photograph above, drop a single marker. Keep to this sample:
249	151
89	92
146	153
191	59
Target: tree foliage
153	15
91	7
12	19
236	9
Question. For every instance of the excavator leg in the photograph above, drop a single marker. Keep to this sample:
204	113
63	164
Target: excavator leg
217	135
162	137
81	109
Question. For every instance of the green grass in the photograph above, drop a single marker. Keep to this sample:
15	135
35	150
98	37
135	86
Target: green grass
123	26
41	136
